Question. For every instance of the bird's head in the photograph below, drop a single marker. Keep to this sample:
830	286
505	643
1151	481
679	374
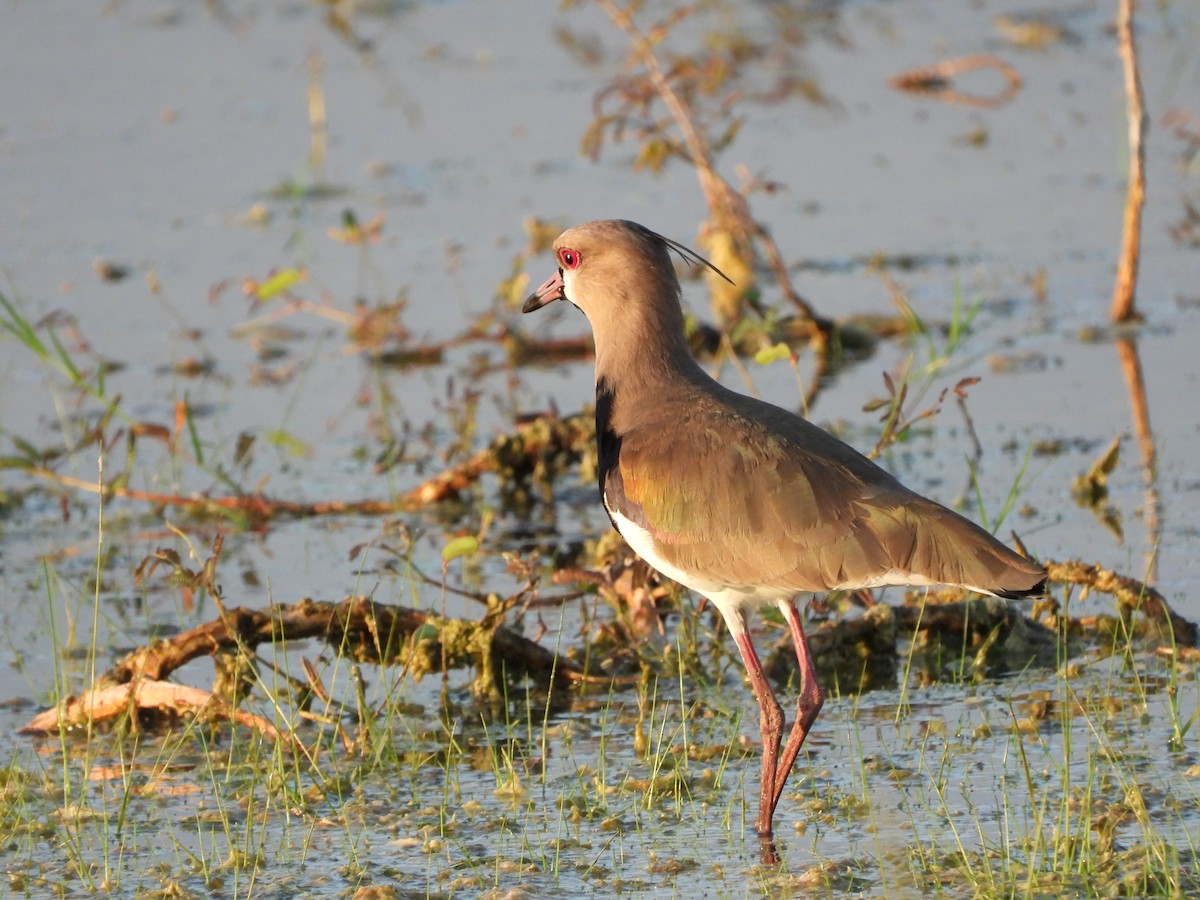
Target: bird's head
608	268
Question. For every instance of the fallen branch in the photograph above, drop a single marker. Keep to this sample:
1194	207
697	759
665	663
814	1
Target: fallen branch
857	653
257	507
113	700
357	628
862	653
1132	596
538	447
991	633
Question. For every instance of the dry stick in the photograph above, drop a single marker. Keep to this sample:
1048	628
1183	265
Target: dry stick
1123	308
256	505
935	80
367	631
546	434
728	205
111	700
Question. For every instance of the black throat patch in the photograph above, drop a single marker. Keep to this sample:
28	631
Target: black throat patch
608	446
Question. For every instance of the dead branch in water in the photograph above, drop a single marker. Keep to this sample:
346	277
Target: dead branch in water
256	507
114	700
986	633
858	653
1159	621
935	81
1124	308
357	628
537	447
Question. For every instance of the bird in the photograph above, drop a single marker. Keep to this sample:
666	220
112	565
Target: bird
739	500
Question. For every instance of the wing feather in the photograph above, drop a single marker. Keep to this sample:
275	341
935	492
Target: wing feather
785	505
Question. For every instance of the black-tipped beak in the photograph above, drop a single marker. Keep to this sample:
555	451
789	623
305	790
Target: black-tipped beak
549	292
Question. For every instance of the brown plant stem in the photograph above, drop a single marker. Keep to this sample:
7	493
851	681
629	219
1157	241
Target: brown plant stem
1123	302
728	207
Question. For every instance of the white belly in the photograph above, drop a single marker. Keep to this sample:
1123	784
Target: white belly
731	600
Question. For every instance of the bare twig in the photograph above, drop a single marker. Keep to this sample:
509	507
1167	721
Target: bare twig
1123	306
934	81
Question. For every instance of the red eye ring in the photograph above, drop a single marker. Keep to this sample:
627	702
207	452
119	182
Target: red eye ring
569	258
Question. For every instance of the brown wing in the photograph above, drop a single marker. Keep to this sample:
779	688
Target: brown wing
789	506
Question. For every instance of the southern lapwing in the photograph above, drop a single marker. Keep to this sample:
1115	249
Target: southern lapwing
741	501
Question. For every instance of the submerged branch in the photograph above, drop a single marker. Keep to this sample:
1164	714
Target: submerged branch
978	635
113	700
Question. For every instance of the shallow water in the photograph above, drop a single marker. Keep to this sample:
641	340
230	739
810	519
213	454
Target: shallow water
148	145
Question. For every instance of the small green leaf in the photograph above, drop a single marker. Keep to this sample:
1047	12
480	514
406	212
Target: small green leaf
467	545
278	283
67	365
285	440
32	454
768	355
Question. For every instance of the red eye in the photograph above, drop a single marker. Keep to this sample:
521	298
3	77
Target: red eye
568	257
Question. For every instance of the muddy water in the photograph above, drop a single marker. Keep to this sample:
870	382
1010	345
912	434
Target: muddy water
177	143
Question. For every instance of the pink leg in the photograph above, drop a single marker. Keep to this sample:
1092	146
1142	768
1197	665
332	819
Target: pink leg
807	707
771	726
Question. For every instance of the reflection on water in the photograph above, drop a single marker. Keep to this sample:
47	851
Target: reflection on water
1131	367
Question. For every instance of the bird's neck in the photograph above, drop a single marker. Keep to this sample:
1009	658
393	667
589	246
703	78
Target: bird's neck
644	349
639	373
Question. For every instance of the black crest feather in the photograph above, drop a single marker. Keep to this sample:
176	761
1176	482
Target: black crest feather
688	255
